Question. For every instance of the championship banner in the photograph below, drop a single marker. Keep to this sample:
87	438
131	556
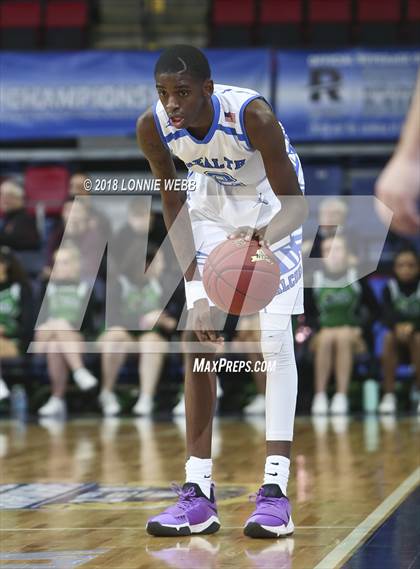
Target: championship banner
345	95
98	93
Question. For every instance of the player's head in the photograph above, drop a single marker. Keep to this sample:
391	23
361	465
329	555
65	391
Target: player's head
183	83
406	264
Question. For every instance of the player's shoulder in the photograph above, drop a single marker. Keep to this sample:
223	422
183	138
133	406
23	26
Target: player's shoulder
232	90
146	121
148	136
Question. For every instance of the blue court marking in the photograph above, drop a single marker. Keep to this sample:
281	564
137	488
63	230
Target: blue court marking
395	544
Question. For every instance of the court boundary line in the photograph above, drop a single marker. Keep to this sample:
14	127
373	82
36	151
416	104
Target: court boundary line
349	544
137	528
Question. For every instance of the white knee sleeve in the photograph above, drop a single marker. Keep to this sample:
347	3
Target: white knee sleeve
281	390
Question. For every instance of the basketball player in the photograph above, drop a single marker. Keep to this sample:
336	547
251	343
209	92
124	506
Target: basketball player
242	163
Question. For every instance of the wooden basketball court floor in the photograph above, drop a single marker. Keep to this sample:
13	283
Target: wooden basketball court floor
77	494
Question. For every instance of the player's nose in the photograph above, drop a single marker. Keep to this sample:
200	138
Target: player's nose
172	105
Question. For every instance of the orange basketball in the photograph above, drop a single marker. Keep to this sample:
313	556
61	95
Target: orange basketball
241	277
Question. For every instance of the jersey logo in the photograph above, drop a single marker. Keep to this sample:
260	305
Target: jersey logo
223	179
230	117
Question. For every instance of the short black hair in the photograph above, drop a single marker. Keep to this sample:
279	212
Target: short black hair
184	58
406	248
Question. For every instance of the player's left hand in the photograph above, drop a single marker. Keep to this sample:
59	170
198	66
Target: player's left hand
248	233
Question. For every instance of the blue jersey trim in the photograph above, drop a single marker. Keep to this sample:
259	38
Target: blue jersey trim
231	131
241	118
159	128
175	135
216	114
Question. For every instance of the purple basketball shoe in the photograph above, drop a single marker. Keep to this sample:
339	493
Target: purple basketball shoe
272	516
193	513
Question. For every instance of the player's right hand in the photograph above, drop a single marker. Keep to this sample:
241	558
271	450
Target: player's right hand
202	324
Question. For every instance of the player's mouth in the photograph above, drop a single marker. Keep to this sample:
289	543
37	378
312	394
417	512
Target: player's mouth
177	121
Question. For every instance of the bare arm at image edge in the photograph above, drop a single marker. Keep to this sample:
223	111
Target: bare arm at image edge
398	186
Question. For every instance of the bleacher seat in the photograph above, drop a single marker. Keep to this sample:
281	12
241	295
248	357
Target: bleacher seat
280	23
46	186
233	22
20	24
66	23
330	22
411	30
378	21
362	182
323	180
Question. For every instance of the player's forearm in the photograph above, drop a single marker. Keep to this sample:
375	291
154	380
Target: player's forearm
291	216
409	142
178	224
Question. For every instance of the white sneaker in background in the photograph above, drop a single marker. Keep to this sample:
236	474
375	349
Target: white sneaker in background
256	406
84	379
339	404
109	403
179	409
4	390
319	404
388	404
54	407
144	405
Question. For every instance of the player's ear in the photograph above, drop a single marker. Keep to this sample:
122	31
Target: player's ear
208	87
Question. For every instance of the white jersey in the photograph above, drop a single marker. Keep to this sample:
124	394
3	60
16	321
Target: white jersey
232	188
225	153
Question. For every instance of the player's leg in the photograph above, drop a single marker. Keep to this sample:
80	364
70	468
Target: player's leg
272	516
196	510
388	403
150	367
113	356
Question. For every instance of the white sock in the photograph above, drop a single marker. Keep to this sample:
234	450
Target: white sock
198	470
277	471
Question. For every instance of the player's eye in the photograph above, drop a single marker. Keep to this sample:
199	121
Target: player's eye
184	93
161	93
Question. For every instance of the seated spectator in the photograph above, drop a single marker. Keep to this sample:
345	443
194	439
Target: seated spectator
64	302
140	296
332	218
18	229
140	227
338	311
75	226
16	314
401	315
97	220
